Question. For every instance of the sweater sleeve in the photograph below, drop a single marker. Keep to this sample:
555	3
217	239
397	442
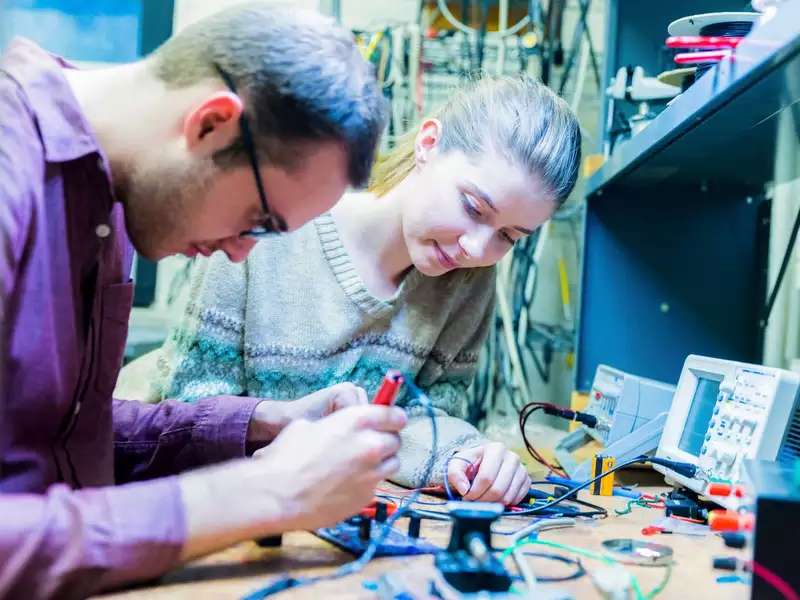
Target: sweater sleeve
203	355
445	377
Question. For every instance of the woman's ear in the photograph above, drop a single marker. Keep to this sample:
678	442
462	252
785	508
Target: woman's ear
427	141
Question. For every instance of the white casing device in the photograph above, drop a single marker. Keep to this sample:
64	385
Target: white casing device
725	412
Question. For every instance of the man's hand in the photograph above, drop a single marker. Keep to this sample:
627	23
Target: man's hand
500	477
312	475
271	416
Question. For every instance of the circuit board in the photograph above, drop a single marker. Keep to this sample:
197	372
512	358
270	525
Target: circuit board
346	536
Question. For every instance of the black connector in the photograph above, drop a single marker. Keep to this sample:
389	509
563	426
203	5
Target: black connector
572	415
681	468
734	539
726	563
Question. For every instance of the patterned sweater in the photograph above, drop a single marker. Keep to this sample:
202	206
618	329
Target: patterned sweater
296	317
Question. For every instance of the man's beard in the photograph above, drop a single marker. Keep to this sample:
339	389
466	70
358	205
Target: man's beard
159	200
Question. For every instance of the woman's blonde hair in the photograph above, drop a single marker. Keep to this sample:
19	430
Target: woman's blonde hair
518	117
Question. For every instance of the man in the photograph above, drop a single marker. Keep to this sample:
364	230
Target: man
167	148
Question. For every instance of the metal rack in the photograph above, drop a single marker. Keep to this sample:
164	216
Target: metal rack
677	225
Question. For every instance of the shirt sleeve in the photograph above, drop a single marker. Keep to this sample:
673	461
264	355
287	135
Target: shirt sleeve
155	440
16	195
65	543
71	544
445	377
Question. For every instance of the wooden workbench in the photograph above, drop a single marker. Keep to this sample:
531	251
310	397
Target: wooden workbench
243	568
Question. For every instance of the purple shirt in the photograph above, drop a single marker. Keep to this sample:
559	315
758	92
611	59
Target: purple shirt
66	529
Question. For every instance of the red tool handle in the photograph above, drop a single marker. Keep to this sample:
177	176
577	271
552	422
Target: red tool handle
387	393
691	58
704	42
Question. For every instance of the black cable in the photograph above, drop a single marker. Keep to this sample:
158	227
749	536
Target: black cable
355	566
579	572
784	264
685	469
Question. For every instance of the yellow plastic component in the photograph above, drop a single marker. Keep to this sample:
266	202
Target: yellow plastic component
605	485
592	163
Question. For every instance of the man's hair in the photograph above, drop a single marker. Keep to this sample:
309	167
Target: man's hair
301	77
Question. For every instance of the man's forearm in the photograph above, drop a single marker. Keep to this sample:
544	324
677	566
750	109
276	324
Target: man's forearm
221	507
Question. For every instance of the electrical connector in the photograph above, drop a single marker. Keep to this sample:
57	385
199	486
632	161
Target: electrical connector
681	468
572	415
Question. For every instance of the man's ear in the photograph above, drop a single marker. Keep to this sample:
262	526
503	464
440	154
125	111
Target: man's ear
213	124
427	141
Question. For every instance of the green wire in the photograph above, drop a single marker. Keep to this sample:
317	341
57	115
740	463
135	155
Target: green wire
643	502
596	556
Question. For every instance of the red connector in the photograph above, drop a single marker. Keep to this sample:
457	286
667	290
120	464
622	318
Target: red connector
702	42
729	520
725	489
709	56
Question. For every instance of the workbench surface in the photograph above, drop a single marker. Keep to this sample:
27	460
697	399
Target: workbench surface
243	568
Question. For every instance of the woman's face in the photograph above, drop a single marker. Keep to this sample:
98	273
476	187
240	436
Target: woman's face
465	212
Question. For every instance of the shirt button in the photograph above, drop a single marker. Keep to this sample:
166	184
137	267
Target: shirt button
102	230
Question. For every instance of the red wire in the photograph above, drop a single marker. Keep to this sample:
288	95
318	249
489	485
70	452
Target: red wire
688	520
774	580
524	414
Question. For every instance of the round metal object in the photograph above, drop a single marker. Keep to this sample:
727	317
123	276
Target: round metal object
637	552
692	24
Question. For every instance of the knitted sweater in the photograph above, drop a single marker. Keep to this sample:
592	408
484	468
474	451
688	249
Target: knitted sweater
296	317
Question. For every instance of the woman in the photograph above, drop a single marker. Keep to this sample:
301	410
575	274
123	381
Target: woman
399	277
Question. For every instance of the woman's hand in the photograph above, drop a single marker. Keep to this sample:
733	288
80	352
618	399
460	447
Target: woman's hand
497	474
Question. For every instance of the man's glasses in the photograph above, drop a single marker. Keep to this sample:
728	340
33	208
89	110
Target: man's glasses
272	223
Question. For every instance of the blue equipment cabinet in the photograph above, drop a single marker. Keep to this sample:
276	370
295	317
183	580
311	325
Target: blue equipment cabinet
677	226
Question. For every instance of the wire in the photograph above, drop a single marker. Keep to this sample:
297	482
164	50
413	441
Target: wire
643	502
784	264
687	470
446	470
579	572
579	551
774	580
358	564
442	4
524	415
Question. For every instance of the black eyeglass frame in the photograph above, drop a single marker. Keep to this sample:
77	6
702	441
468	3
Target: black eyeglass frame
272	223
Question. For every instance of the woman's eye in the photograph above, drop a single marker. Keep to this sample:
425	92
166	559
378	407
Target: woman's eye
469	206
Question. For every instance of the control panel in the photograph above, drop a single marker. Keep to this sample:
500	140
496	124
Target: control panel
737	422
725	412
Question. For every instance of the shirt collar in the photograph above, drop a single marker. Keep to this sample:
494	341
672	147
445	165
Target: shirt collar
64	131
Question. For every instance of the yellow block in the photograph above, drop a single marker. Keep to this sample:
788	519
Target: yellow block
605	485
591	163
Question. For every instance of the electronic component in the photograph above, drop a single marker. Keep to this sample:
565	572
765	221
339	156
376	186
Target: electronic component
356	533
725	412
631	412
468	564
604	486
772	493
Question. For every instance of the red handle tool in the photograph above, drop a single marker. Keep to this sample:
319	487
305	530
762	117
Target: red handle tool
387	393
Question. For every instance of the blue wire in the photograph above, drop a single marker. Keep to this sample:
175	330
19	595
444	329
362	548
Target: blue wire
358	564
